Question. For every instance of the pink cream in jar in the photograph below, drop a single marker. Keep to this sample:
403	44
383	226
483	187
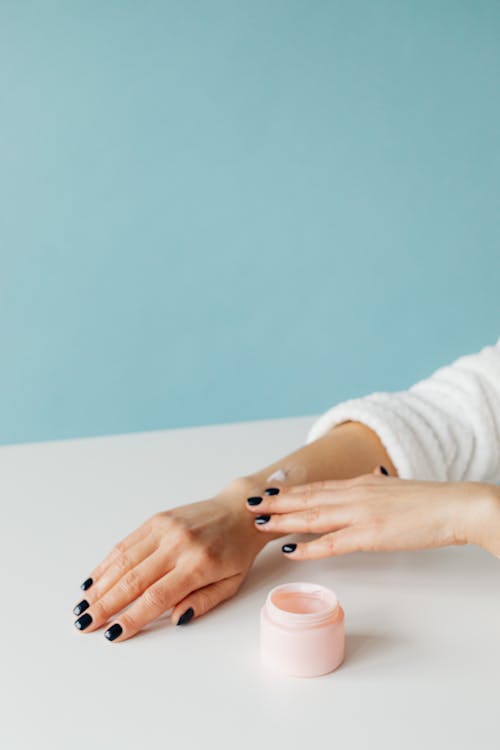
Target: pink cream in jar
302	630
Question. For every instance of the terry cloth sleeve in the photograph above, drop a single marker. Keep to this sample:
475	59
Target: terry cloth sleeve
445	428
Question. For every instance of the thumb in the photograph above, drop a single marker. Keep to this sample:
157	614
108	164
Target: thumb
202	600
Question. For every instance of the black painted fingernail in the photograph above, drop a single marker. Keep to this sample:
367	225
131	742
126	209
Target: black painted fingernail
87	584
261	520
186	617
384	471
113	632
254	500
83	621
81	607
288	547
271	491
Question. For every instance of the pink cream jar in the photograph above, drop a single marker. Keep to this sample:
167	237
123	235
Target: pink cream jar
302	630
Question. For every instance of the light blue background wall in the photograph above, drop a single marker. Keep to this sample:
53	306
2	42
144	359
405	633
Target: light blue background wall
219	211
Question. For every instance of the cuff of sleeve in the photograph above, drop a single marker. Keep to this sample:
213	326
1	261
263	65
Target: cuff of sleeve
391	419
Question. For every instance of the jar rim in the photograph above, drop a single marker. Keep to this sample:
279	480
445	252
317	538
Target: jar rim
286	617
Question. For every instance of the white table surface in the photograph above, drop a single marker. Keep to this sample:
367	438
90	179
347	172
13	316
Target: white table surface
422	668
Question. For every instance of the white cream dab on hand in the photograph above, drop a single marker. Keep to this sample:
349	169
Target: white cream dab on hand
278	476
293	474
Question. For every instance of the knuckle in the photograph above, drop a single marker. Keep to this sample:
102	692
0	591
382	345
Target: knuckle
115	553
204	601
206	553
122	563
186	535
95	593
130	584
203	560
330	543
157	519
119	548
129	622
101	610
312	515
155	598
309	492
179	530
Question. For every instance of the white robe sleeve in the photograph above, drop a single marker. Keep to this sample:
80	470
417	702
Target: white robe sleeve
446	427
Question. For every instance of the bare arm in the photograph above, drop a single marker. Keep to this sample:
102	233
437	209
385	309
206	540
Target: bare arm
195	556
347	450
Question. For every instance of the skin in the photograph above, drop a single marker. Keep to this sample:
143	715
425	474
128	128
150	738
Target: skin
197	555
374	513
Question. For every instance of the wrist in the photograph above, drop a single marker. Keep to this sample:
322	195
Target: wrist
240	486
484	518
234	496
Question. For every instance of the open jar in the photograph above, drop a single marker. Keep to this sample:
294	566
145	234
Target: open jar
302	630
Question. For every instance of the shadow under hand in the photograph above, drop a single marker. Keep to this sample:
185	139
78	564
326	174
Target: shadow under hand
269	569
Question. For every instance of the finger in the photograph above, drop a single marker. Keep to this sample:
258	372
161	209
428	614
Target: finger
201	601
130	586
319	520
127	560
326	485
156	599
340	542
118	549
305	496
329	490
287	503
335	490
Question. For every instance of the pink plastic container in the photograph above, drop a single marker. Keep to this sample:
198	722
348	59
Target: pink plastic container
302	630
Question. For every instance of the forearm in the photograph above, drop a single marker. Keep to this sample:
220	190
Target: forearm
448	512
345	451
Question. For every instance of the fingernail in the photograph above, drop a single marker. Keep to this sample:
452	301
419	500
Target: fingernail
384	471
186	617
83	621
87	584
254	500
271	491
288	547
81	607
262	519
113	632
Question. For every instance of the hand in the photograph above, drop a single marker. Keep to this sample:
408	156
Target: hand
374	512
190	558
